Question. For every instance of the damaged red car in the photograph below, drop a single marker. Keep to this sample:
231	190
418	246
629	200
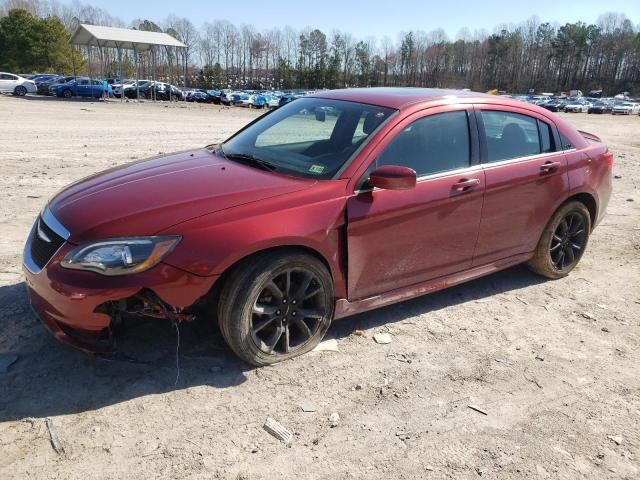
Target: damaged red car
334	204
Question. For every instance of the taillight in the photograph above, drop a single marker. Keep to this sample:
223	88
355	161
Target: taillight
608	158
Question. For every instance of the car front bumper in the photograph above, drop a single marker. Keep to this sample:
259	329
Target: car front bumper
70	303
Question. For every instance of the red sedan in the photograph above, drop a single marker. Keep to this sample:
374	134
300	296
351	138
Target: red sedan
332	205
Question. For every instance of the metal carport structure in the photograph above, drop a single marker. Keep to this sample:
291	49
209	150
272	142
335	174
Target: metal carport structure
123	39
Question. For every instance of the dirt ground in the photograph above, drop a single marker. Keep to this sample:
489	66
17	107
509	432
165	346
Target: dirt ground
554	364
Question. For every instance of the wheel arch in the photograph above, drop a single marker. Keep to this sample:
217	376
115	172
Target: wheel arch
249	257
589	201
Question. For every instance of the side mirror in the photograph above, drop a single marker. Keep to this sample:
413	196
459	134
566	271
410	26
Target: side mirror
321	115
393	177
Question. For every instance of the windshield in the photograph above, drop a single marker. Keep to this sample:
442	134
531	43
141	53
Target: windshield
310	137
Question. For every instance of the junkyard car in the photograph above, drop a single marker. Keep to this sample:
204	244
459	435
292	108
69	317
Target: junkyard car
625	108
16	84
335	204
600	107
577	106
83	87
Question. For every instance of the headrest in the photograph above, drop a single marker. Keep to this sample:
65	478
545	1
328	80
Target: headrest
514	132
371	121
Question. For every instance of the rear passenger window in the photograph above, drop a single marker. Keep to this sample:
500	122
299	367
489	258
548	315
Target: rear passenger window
434	144
546	138
510	135
566	143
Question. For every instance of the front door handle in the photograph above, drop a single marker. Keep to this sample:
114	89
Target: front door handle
549	167
466	184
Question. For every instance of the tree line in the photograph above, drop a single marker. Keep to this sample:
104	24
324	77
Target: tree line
534	55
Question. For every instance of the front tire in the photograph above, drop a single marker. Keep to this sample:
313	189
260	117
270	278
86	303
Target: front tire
563	241
276	306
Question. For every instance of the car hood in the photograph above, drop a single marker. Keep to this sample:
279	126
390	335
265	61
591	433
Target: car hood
145	197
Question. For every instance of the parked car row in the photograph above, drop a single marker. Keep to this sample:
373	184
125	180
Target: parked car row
613	105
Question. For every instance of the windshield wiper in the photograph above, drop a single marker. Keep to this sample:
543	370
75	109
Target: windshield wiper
249	159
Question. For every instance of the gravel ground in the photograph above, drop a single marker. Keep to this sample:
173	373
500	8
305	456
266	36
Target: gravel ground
552	364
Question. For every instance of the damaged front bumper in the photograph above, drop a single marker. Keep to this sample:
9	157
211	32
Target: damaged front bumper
80	308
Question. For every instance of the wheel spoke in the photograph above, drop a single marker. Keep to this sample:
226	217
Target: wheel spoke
287	282
275	338
274	289
262	324
569	221
555	247
304	284
564	226
286	339
557	237
313	293
304	328
575	246
311	313
560	262
577	225
569	255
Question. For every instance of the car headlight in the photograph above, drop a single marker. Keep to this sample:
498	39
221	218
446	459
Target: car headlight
120	256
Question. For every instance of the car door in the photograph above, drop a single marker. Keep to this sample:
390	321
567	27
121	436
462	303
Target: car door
3	82
401	238
83	88
8	82
526	178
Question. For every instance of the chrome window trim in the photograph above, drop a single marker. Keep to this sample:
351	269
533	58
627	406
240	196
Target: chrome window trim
52	222
523	159
457	171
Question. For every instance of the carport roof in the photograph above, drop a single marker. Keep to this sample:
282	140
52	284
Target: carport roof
110	37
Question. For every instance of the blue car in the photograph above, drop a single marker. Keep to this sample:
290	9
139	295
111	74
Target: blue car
266	101
289	98
83	87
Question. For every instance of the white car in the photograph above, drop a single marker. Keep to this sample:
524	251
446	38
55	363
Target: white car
274	102
625	108
118	87
16	84
577	106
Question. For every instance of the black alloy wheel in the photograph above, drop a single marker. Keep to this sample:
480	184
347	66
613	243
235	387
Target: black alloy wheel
563	241
568	241
275	306
288	311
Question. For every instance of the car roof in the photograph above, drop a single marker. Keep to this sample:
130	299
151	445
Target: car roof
398	98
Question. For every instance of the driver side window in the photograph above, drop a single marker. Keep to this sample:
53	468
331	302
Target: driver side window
433	144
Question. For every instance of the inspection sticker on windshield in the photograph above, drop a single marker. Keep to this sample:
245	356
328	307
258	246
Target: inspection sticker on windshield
316	169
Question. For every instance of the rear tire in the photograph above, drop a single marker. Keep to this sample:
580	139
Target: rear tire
276	306
563	241
67	94
20	91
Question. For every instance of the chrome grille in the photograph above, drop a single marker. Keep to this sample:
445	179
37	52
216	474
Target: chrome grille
41	249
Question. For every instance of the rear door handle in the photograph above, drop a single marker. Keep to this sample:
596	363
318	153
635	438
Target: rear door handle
549	167
466	184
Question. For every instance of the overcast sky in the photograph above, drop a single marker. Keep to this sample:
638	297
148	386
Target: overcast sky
374	17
